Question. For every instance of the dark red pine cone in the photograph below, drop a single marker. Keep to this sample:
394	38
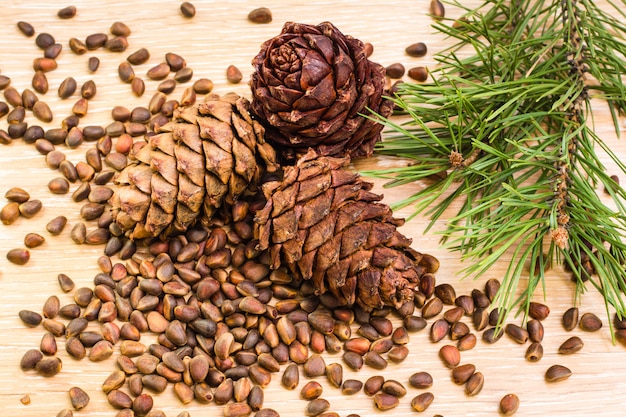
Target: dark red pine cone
311	87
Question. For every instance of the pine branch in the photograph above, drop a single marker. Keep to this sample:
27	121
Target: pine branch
507	131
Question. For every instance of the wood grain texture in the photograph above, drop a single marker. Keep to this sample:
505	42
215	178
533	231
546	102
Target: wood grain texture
218	36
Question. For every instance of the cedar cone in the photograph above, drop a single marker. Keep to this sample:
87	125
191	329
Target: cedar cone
208	154
323	223
311	87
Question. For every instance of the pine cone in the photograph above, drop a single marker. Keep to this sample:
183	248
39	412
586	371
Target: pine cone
208	154
323	223
311	86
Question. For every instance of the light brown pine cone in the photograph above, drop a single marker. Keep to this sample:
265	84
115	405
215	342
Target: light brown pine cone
209	154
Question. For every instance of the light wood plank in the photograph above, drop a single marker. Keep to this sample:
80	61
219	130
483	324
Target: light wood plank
219	36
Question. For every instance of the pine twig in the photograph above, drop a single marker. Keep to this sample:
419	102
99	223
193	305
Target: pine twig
508	133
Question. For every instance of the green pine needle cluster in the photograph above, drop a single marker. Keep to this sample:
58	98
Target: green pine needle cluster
505	131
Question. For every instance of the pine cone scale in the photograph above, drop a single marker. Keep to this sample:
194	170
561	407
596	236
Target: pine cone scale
359	261
328	254
380	234
145	154
135	203
312	187
384	257
315	102
367	284
292	248
218	109
284	199
163	142
320	232
220	161
310	169
315	209
236	186
190	194
338	110
353	238
141	178
349	214
157	220
343	177
286	194
185	217
218	131
285	226
165	165
394	287
189	135
245	162
164	194
215	190
191	164
243	131
285	94
305	266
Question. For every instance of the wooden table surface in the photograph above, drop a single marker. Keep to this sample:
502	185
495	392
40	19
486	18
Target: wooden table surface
218	36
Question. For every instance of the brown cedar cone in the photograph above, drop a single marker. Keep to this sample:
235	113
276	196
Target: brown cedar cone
208	154
323	223
311	86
